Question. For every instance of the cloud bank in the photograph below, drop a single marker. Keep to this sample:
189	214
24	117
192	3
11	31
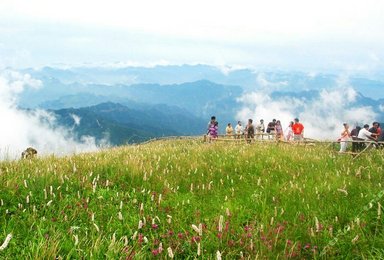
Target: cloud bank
23	128
322	116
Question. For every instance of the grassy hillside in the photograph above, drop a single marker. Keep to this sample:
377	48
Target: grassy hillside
185	198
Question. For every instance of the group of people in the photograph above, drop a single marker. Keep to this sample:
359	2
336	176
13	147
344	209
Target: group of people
274	130
360	134
294	131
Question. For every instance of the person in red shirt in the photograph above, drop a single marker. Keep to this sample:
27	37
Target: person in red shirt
298	130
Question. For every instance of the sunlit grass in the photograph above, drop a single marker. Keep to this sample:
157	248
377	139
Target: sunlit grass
185	198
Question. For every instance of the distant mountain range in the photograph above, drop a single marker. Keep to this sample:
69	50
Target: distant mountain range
247	79
134	104
201	98
121	125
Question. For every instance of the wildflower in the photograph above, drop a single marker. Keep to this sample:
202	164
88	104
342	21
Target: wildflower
6	242
97	227
76	239
198	249
140	224
140	238
354	240
120	216
74	228
194	227
218	255
221	224
195	239
49	203
169	219
312	233
317	224
161	247
226	226
155	226
170	253
247	228
343	191
155	252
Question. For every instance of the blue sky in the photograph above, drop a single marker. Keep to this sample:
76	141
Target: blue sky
298	34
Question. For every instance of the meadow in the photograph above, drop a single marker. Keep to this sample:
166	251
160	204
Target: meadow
186	199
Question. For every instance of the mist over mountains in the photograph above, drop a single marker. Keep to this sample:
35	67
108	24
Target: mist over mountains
133	104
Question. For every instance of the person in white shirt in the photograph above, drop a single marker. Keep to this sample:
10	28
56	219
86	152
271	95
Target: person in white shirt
365	134
260	129
239	129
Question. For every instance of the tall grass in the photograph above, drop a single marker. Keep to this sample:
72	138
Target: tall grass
187	199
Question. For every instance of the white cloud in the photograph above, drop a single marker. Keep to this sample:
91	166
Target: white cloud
230	19
76	119
269	86
21	129
295	34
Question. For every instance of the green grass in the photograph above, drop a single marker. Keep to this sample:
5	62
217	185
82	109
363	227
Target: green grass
258	200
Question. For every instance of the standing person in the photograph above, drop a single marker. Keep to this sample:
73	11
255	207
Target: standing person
354	134
344	138
212	122
229	130
365	135
250	131
239	130
289	132
213	131
260	129
271	128
210	127
298	130
279	131
381	137
375	130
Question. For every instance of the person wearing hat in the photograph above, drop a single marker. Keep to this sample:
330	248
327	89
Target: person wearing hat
298	130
